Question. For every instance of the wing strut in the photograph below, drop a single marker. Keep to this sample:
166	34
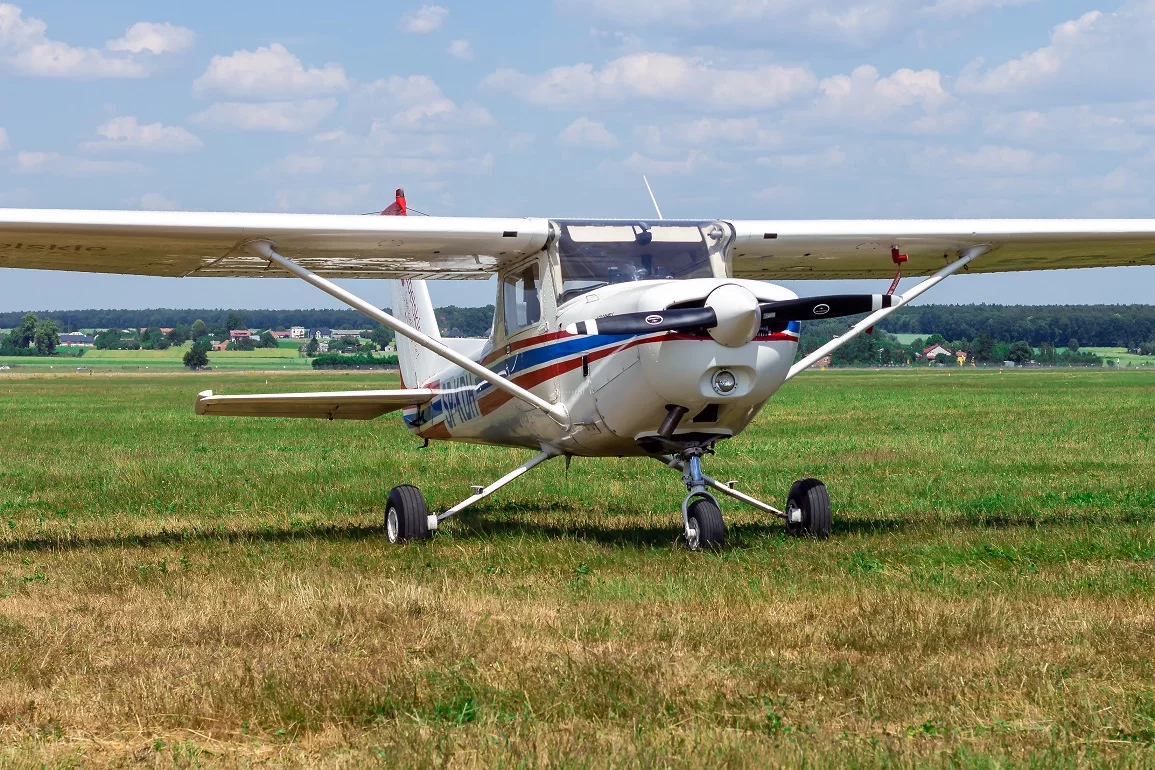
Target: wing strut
964	259
558	412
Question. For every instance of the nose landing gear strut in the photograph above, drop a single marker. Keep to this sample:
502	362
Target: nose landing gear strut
701	514
807	506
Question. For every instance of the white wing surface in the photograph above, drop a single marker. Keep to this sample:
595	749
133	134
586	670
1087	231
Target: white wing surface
824	249
342	405
208	244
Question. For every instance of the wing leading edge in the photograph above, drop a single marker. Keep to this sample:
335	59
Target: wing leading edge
341	405
340	246
831	249
179	244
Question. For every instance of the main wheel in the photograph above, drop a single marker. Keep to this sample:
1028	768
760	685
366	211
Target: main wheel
808	502
406	515
709	531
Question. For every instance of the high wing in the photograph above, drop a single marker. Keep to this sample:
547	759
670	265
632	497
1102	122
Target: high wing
823	249
341	405
213	244
341	246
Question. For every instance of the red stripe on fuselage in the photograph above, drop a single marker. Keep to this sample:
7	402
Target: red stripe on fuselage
496	399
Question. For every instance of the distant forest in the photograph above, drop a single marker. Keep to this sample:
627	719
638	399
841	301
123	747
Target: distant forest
463	321
1092	325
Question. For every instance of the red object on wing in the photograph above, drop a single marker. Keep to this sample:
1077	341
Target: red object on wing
397	208
898	258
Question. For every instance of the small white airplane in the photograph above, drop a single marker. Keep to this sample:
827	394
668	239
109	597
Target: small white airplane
612	338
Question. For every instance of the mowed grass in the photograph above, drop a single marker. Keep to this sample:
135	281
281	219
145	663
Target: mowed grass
184	591
145	361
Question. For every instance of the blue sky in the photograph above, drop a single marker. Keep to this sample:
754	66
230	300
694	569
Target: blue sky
734	108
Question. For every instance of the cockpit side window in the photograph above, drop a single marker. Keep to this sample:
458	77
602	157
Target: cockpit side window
597	254
521	293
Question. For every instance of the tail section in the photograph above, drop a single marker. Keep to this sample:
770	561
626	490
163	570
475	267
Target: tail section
412	305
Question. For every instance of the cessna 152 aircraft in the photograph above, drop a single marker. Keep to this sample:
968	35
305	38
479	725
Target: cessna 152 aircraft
650	338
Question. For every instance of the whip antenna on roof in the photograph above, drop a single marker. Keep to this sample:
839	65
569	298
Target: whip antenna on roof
655	200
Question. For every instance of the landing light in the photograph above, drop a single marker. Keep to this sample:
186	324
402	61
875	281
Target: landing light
724	382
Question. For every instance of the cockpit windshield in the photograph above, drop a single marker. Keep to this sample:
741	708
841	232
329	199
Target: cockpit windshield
597	254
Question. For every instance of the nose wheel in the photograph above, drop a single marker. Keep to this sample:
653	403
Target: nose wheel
704	527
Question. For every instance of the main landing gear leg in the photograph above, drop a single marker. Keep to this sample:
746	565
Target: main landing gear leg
807	504
407	517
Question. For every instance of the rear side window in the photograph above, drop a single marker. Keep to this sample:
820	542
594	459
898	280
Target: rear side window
522	297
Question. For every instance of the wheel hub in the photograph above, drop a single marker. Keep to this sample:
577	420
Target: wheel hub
391	525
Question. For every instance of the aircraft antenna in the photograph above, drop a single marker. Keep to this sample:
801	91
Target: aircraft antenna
655	200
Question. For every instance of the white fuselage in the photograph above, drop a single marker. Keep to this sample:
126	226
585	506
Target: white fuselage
617	389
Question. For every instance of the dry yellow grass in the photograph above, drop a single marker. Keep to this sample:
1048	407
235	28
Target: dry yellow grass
182	592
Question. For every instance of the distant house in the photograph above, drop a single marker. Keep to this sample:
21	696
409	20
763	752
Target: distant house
297	332
77	340
279	335
220	345
321	333
936	350
340	334
163	330
323	347
238	334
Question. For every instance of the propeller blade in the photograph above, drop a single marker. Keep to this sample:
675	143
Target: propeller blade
678	319
831	306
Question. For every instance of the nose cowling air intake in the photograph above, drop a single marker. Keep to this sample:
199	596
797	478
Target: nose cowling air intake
732	315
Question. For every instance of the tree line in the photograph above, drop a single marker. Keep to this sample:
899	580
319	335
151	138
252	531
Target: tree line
466	321
1127	326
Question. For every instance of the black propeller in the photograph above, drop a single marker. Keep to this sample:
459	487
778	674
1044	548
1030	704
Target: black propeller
686	319
832	306
642	323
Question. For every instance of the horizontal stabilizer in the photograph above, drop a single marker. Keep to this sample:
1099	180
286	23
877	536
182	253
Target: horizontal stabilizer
346	405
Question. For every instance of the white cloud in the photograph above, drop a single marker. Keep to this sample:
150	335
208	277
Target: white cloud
741	132
127	132
156	202
969	7
270	72
863	93
520	140
418	103
853	21
289	116
856	23
584	132
646	165
154	38
688	13
1096	128
26	49
461	49
657	76
424	20
326	200
4	143
1034	67
903	102
828	158
56	163
992	159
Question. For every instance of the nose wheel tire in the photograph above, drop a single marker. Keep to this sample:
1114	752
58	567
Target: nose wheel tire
808	509
707	529
406	515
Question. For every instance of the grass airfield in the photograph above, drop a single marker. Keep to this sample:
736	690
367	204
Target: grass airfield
179	591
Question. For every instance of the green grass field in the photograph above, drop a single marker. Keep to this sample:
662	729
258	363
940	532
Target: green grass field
142	361
179	591
1122	356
